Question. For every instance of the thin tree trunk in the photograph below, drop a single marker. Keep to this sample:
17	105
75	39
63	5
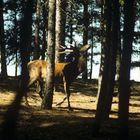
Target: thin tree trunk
124	83
49	82
113	55
2	44
71	24
60	28
15	41
44	45
91	59
37	48
85	33
16	63
103	75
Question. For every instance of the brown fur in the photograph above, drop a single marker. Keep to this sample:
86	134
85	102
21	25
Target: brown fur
64	72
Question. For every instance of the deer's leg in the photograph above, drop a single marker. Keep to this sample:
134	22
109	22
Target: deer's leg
41	93
31	81
67	91
26	100
61	101
37	85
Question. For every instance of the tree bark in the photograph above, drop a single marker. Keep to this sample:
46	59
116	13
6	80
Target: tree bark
49	82
113	55
86	17
11	116
60	28
2	44
44	45
124	83
37	45
104	66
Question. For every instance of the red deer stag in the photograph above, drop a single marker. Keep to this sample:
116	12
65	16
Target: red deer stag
64	72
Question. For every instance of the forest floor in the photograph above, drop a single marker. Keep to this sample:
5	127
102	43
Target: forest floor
59	123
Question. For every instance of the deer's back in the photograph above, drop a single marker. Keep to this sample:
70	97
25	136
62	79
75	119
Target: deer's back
38	69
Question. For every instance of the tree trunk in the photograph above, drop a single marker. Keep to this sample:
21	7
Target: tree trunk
91	59
44	45
15	42
48	88
70	23
11	115
104	66
60	28
113	54
2	44
86	17
124	83
37	46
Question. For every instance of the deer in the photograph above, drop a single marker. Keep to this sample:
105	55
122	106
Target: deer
65	72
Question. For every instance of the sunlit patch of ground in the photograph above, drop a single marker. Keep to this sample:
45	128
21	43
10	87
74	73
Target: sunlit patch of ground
60	123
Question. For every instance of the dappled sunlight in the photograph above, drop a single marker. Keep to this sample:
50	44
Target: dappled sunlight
62	123
6	97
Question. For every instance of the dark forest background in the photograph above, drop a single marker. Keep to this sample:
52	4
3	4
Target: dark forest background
111	27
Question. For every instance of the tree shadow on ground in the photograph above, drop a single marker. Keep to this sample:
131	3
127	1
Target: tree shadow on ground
9	84
59	123
62	125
